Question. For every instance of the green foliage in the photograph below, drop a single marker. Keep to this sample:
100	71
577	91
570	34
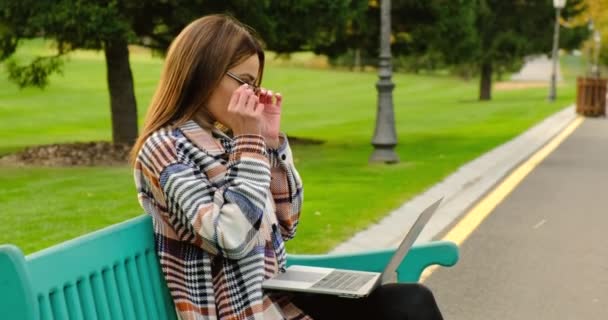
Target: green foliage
285	26
81	23
36	73
431	60
461	32
8	42
572	38
360	21
425	34
510	30
429	34
72	24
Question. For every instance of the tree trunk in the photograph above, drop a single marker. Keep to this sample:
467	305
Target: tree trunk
358	59
122	97
485	85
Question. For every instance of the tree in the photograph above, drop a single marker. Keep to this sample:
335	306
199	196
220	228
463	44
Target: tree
487	37
425	33
74	25
111	25
595	11
510	30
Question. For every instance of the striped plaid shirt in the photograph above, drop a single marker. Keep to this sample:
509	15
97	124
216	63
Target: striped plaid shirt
221	208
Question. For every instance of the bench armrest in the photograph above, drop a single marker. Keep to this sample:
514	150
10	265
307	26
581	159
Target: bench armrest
17	299
443	253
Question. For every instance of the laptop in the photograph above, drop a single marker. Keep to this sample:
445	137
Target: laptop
348	283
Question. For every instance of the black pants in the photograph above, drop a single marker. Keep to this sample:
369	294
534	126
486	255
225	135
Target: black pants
401	301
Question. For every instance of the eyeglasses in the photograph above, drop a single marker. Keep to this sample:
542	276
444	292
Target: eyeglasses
255	88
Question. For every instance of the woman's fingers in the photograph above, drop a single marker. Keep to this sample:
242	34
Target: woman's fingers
242	99
269	97
279	99
263	95
259	109
252	101
235	98
245	109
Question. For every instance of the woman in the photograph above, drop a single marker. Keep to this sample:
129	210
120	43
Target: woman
218	178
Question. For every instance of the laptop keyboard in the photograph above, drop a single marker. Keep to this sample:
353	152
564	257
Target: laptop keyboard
340	280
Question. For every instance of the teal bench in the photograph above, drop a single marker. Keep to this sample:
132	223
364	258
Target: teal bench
114	274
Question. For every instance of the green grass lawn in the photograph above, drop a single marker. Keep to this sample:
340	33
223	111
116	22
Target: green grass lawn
440	126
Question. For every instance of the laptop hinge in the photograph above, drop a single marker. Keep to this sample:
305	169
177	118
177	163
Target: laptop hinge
388	277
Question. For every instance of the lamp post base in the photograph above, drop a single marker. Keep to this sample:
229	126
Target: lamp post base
384	154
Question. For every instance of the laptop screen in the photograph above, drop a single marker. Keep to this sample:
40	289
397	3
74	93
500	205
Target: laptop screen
389	273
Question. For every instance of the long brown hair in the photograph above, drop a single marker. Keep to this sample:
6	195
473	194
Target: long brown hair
196	61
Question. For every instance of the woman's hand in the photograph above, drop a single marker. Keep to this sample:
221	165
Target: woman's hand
271	116
245	112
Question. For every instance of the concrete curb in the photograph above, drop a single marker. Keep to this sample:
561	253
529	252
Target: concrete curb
461	190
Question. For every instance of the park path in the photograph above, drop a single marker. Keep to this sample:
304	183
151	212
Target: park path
542	253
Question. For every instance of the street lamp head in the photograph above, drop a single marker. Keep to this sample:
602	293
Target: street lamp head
559	4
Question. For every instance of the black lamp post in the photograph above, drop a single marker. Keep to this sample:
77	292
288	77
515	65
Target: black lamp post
597	40
559	5
385	137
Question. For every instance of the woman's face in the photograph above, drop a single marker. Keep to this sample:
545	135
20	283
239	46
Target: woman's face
218	102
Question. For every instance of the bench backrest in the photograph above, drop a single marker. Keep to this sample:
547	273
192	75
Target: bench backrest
109	274
114	274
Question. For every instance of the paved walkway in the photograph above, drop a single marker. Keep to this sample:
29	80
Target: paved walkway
543	252
537	68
